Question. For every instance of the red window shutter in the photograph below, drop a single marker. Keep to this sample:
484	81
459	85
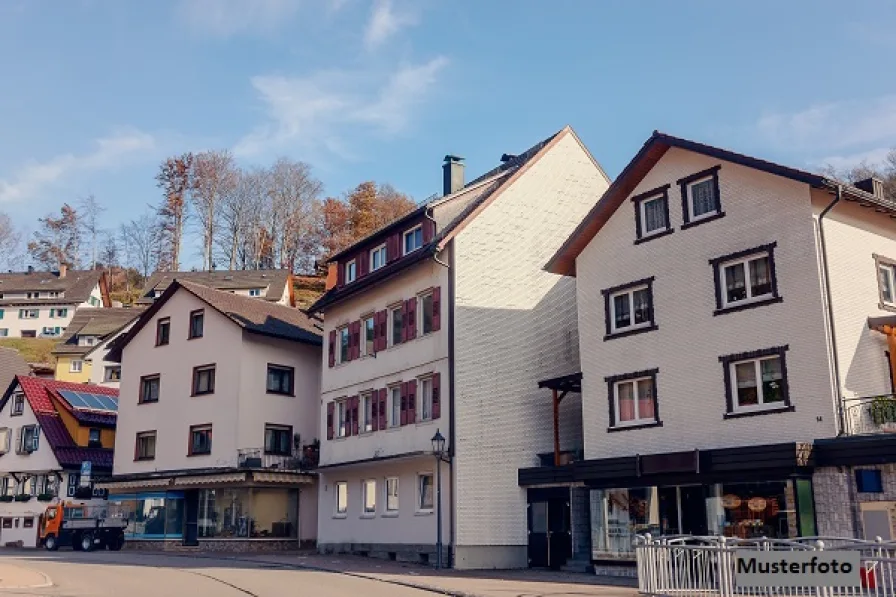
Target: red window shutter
374	411
363	261
384	327
382	400
377	331
393	248
355	400
412	401
436	397
330	409
340	273
436	308
404	321
404	403
412	318
332	348
429	229
356	340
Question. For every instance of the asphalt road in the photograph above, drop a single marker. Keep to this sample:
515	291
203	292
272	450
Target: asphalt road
132	574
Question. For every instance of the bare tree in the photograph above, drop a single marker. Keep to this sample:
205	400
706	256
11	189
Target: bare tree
141	238
109	253
90	210
240	207
10	241
57	241
175	178
294	195
885	171
214	176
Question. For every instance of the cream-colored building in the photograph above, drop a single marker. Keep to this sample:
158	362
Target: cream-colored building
81	353
273	285
444	321
218	425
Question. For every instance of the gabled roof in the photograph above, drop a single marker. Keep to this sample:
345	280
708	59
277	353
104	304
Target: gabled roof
274	280
11	364
94	322
38	392
656	146
77	286
255	316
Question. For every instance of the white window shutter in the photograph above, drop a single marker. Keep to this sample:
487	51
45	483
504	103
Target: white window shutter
18	440
35	440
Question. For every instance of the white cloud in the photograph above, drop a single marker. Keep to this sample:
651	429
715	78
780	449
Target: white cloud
385	21
871	157
109	152
318	111
232	17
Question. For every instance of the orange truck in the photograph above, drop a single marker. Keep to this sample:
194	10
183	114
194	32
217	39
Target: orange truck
85	528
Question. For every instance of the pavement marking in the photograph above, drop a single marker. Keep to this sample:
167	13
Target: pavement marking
48	582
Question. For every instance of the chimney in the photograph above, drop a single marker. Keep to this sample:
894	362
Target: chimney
452	174
332	275
30	269
63	269
872	185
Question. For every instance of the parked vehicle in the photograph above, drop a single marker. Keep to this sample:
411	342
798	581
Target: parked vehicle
84	528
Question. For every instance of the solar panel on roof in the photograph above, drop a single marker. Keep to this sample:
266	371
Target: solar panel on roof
74	400
88	401
108	402
91	401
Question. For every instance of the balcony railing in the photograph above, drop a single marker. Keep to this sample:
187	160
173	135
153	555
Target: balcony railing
257	458
870	414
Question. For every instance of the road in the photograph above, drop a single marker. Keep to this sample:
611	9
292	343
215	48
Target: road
132	574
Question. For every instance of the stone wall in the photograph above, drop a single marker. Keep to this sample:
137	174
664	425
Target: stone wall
837	498
398	552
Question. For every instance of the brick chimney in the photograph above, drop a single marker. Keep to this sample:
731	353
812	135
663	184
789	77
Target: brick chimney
332	275
452	174
63	270
872	185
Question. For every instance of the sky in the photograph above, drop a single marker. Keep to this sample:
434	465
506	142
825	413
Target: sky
94	94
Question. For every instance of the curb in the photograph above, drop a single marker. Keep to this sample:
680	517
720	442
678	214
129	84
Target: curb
48	582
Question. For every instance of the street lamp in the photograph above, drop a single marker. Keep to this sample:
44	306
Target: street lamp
438	450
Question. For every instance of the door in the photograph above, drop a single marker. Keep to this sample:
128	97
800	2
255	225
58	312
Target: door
538	535
559	533
692	503
191	517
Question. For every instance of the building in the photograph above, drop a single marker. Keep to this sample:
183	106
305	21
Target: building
48	431
274	285
41	304
443	321
80	354
737	311
202	363
11	364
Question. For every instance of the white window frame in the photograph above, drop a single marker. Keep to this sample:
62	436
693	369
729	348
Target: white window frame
642	209
391	511
393	398
404	241
255	292
887	270
368	491
76	366
391	309
340	507
380	250
363	340
351	271
366	406
630	292
341	343
341	417
709	214
424	402
418	506
762	405
108	369
638	420
421	312
745	261
29	313
18	404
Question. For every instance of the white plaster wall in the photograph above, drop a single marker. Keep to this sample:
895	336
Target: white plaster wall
308	512
515	324
18	532
99	363
40	461
14	326
760	209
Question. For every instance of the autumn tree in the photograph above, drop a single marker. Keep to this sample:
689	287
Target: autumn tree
214	177
58	240
175	178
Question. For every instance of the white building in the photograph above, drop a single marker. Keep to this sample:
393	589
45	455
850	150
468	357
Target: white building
81	353
273	285
444	320
41	304
218	428
730	314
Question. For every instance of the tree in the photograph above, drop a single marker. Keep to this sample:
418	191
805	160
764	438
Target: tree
90	213
175	178
108	252
214	176
57	241
10	241
140	238
294	195
885	171
240	208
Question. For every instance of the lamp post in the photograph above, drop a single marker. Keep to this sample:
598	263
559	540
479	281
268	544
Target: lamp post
438	450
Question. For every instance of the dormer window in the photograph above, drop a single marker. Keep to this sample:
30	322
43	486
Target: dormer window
351	271
413	239
255	292
378	257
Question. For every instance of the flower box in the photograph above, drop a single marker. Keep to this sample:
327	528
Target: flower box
23	498
45	497
5	498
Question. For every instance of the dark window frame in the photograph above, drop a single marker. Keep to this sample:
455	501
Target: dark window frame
143	435
194	315
608	314
198	428
861	476
163	321
278	428
880	260
718	262
291	391
728	360
141	399
612	380
99	439
638	200
196	372
18	405
684	183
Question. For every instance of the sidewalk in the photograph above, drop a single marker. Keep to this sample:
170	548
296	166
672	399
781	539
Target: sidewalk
20	577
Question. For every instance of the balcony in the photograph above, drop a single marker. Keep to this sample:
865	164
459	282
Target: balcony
258	459
870	415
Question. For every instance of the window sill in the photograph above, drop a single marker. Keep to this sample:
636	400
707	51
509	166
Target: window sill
147	402
764	411
340	516
390	515
748	305
644	239
195	454
145	459
423	513
623	334
703	220
887	307
368	516
632	427
287	394
201	394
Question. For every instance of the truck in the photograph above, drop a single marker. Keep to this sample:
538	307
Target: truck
84	528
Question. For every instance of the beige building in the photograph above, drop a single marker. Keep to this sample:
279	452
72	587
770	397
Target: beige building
444	321
273	285
80	354
218	426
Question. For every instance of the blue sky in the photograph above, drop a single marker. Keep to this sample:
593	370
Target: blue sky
95	93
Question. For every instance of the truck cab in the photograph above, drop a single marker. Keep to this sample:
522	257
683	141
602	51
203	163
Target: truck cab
82	527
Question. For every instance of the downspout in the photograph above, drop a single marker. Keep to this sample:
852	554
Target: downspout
835	359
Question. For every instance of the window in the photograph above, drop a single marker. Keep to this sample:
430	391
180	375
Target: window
341	498
886	272
58	313
633	399
281	380
368	496
652	214
5	435
76	366
378	258
368	329
18	403
392	494
367	404
29	334
341	411
197	322
93	438
203	380
344	344
278	440
145	448
200	440
87	340
351	271
1	310
869	480
424	399
424	492
163	331
413	239
629	308
4	332
426	312
51	331
7	486
30	438
396	314
28	313
745	279
255	292
700	200
756	381
149	388
112	373
395	406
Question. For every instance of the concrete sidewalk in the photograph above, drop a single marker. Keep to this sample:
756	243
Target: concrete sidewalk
20	577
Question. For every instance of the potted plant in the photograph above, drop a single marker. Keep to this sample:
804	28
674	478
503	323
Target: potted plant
45	497
23	497
5	498
883	412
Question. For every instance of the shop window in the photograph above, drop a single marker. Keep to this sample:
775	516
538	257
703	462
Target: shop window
869	481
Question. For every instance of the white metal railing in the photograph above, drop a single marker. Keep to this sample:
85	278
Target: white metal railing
689	566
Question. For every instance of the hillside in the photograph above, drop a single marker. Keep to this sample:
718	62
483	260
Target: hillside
33	350
307	290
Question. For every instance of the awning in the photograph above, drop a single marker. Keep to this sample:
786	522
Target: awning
210	479
263	477
156	482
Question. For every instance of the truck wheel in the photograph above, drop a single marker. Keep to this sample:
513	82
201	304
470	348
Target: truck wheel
86	542
51	543
116	542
